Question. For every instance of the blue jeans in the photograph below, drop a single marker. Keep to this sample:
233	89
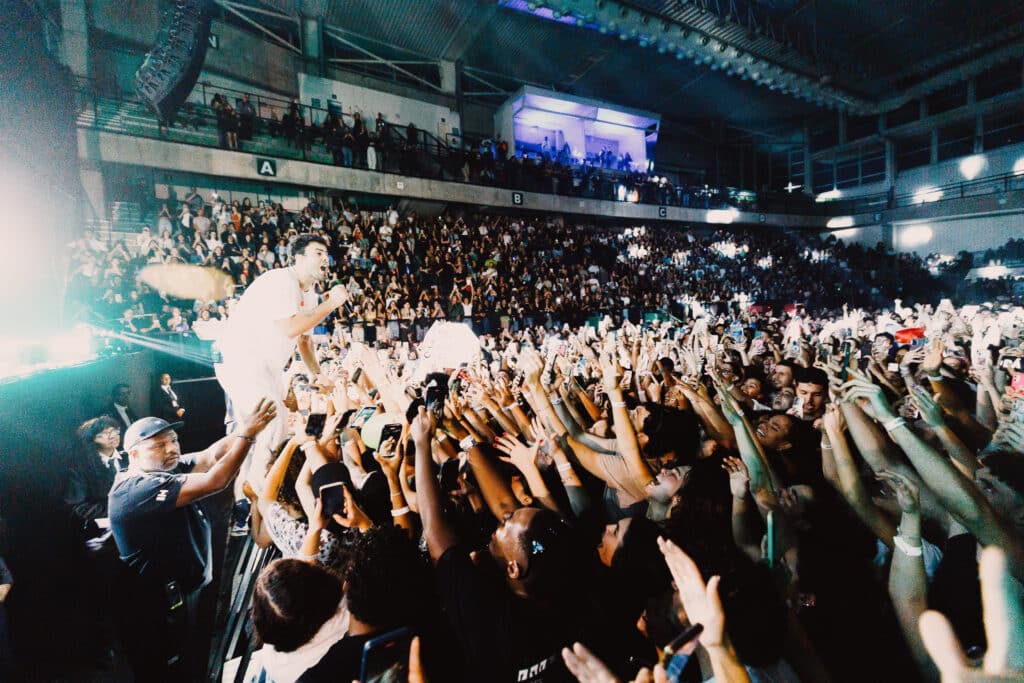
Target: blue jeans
346	156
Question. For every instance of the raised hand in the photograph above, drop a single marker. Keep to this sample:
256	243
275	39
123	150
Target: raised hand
833	420
700	601
862	388
256	421
524	458
932	359
585	666
422	428
1004	623
337	295
739	477
387	457
907	493
352	516
611	373
929	408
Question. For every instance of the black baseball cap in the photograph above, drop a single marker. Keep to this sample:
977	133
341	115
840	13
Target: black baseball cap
146	428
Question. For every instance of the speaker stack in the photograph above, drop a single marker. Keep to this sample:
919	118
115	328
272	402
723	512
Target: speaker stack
172	67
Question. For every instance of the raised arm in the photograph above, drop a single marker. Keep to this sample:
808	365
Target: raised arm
228	457
436	530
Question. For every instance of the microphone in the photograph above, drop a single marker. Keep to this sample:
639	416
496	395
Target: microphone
348	307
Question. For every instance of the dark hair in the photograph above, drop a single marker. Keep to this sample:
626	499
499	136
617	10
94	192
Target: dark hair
549	544
117	387
671	430
700	521
638	560
292	600
90	429
812	376
304	240
1008	467
385	578
788	364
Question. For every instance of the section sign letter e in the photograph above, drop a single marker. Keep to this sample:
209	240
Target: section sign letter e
267	167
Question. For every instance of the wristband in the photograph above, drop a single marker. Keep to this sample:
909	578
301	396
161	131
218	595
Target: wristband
894	423
509	407
825	446
441	436
556	401
404	510
564	467
467	443
618	404
730	387
935	378
906	548
250	439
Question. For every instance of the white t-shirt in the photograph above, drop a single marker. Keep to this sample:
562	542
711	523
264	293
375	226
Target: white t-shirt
251	338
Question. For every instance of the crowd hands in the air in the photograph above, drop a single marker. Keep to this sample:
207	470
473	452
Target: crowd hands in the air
587	496
405	271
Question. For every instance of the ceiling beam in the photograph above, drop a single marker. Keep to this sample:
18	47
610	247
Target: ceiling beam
465	35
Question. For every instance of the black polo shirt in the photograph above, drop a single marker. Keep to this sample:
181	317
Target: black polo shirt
159	541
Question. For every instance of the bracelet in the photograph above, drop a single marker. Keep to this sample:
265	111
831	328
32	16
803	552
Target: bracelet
894	423
467	443
510	406
906	548
441	436
397	495
556	401
825	446
250	439
564	467
936	378
618	404
404	510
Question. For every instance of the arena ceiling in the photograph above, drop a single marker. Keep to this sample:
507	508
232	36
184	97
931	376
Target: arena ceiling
760	65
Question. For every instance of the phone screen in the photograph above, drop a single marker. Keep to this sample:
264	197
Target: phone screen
315	423
332	499
392	431
386	658
362	416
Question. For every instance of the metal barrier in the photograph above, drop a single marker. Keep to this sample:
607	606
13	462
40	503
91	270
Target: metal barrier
250	562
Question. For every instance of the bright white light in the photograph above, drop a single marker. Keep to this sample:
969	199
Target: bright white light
722	215
765	262
972	166
848	233
840	222
828	196
916	235
927	194
72	347
1018	167
993	271
620	192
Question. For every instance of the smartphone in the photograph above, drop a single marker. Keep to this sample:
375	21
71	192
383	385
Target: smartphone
893	367
798	405
917	343
362	416
315	423
1017	383
392	431
332	499
356	375
627	378
386	657
824	352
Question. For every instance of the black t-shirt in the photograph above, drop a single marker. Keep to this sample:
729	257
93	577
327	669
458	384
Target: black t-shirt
509	638
159	541
343	662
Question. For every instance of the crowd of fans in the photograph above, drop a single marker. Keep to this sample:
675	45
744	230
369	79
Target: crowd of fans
572	502
796	460
496	272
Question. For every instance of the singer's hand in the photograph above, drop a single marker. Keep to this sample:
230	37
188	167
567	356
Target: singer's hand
337	295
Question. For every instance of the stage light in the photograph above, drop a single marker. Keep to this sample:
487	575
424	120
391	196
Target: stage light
927	194
840	222
829	196
972	166
1018	167
993	271
915	236
71	347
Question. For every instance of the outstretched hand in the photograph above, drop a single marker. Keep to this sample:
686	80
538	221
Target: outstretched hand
700	601
256	421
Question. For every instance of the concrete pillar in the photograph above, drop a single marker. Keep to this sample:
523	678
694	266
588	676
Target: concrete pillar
979	132
888	237
95	204
890	163
449	76
934	156
313	45
808	162
75	36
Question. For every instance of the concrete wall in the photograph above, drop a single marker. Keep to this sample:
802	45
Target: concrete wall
103	147
953	236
